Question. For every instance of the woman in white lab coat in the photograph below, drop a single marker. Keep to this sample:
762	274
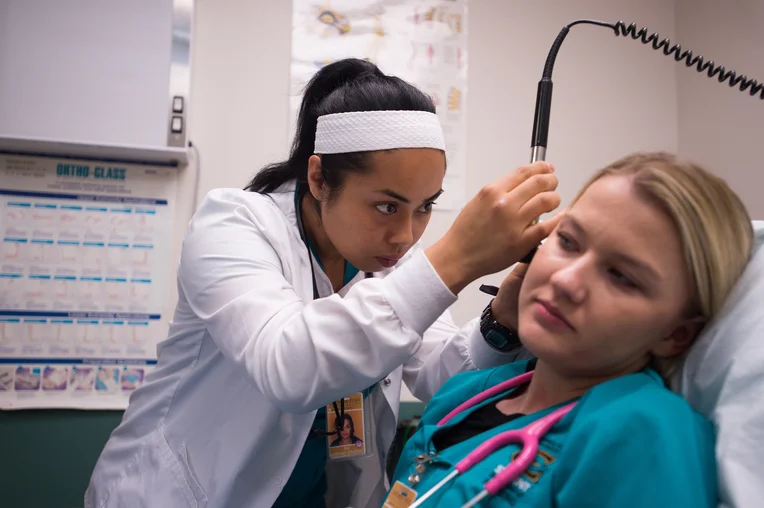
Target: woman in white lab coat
308	287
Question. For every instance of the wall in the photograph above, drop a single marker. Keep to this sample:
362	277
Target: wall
601	109
241	77
719	126
239	88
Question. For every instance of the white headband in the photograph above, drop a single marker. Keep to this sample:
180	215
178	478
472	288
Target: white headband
365	131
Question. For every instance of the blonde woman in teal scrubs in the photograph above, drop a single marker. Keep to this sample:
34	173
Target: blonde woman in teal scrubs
644	258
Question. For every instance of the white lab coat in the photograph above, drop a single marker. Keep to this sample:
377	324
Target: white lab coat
250	357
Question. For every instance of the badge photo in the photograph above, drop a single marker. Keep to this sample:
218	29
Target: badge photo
347	427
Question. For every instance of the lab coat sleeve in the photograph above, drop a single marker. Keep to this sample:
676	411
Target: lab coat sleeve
639	460
300	354
447	350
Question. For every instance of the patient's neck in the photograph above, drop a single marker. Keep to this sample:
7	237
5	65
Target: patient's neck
547	388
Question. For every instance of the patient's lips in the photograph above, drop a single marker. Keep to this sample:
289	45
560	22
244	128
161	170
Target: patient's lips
550	317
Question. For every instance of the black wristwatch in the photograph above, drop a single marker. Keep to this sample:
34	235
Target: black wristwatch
496	334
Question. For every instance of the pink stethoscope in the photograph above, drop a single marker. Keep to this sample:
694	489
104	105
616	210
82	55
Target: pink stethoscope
528	437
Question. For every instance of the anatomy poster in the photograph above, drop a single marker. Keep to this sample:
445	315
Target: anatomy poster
422	42
83	279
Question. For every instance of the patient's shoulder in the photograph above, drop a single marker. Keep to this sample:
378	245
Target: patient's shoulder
465	385
635	443
640	402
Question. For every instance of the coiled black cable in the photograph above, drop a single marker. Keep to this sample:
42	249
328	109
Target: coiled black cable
540	133
697	61
701	65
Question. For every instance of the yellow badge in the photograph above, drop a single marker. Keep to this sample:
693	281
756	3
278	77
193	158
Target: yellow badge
400	496
347	428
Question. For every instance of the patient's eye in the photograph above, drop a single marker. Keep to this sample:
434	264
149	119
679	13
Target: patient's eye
565	241
621	279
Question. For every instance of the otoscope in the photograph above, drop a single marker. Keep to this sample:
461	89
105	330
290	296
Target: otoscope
544	89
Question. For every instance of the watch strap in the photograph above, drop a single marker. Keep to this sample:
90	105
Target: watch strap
496	334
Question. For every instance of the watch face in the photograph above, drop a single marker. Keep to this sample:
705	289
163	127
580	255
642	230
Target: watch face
496	339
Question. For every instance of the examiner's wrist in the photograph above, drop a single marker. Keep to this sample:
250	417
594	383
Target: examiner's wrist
499	336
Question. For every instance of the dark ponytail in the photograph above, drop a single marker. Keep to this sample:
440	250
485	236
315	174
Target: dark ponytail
341	87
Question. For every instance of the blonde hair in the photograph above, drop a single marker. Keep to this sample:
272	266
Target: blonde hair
714	227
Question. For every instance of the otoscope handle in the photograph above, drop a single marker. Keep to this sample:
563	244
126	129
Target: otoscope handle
541	118
540	132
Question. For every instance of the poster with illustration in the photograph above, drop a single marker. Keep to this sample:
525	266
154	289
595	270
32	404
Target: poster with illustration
424	42
347	418
84	250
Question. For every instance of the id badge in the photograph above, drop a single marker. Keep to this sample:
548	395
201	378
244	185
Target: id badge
354	427
400	496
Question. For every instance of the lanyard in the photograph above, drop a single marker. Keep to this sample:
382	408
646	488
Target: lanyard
304	238
339	411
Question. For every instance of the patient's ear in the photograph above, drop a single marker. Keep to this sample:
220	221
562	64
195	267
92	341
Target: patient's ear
680	339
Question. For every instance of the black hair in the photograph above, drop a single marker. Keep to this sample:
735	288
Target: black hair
341	423
341	87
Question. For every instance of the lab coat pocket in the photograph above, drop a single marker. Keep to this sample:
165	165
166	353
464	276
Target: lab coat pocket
177	464
193	483
182	488
155	477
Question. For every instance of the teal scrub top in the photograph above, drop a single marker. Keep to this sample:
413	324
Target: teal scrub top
628	443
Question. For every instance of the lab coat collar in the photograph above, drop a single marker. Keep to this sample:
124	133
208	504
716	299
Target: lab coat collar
283	197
